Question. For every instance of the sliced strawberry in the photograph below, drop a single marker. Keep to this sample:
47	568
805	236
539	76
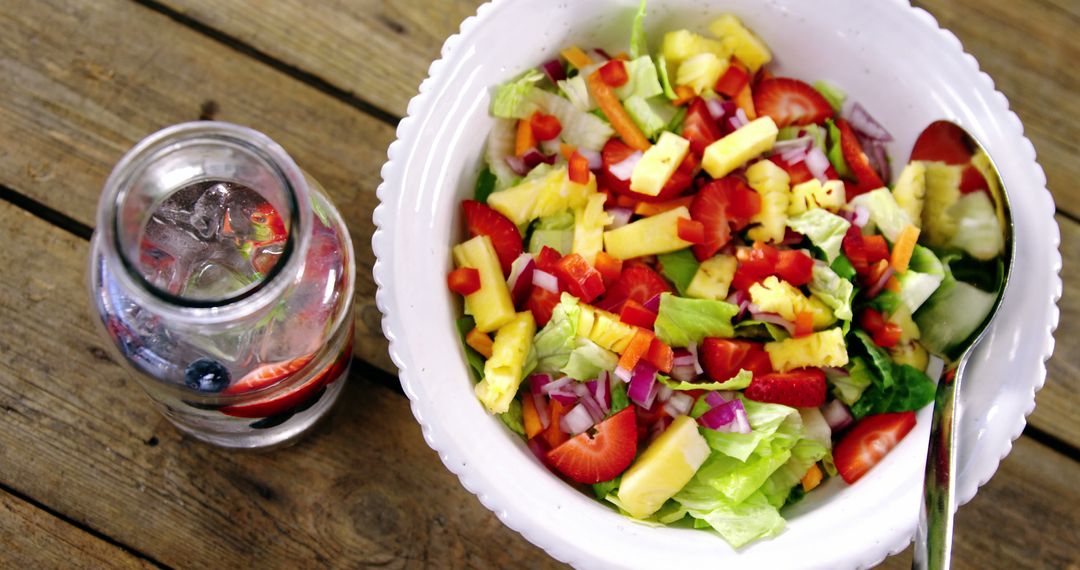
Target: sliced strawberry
481	219
945	142
870	440
972	181
722	358
542	303
268	374
866	178
590	458
795	267
616	151
699	127
637	283
802	388
791	102
722	206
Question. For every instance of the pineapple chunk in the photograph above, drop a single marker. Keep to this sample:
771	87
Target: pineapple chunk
589	222
776	296
503	371
725	155
742	42
910	191
825	348
913	354
664	468
681	45
604	328
658	163
771	182
713	278
648	236
491	305
813	194
942	191
901	317
701	71
543	196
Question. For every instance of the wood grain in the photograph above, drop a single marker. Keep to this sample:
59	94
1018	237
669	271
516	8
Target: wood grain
77	95
32	538
78	435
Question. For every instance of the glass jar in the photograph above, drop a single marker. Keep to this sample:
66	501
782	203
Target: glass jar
224	277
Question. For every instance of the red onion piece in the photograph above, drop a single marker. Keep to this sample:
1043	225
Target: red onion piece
624	168
541	410
863	123
876	154
775	319
619	217
817	163
862	215
716	108
679	404
594	158
552	385
643	385
658	428
683	357
697	361
554	70
623	374
684	373
603	54
653	304
836	415
801	143
714	399
537	382
545	280
551	147
520	281
794	156
564	397
589	402
663	393
576	420
726	417
538	449
517	165
873	291
533	157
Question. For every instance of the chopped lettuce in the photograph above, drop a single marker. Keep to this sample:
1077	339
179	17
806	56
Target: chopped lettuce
665	81
795	131
639	46
848	389
577	92
679	267
952	314
581	129
512	418
475	359
978	230
605	488
885	213
588	359
825	230
646	117
804	454
737	382
619	399
764	420
555	231
682	321
513	99
911	390
924	275
757	330
737	523
554	343
642	79
485	185
835	152
833	94
879	362
832	290
500	144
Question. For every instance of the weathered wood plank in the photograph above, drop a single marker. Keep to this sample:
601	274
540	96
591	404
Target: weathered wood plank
78	436
33	538
84	81
1033	493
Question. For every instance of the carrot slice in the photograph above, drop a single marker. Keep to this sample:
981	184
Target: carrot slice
812	478
683	95
804	323
525	139
567	150
745	101
892	284
576	57
480	342
904	247
654	208
620	120
638	347
530	416
553	435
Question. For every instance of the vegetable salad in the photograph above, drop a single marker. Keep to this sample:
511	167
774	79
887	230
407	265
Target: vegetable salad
691	287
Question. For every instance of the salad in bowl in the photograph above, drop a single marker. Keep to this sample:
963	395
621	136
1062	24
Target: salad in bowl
691	285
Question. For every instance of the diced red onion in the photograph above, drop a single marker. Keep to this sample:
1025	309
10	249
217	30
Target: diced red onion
537	448
683	357
684	373
653	304
603	54
878	157
538	381
716	108
862	215
801	143
520	281
643	385
742	116
663	393
697	361
590	403
619	217
541	410
836	415
791	237
863	123
517	165
554	70
550	386
817	163
795	155
729	416
873	291
714	399
533	157
600	388
623	374
624	168
679	404
775	319
594	158
545	281
576	420
551	147
564	396
738	120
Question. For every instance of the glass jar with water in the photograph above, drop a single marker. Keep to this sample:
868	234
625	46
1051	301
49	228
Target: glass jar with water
224	277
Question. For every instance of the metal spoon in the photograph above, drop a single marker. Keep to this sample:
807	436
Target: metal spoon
933	537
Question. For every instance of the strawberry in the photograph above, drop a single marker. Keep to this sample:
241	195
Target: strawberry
802	388
722	205
869	441
866	178
723	358
791	102
638	283
601	456
944	142
481	219
616	151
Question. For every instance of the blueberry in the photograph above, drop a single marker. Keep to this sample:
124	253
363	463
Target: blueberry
206	375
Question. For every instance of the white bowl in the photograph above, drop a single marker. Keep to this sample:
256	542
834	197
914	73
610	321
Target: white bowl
887	55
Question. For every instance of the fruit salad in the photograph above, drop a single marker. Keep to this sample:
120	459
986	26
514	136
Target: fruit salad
692	287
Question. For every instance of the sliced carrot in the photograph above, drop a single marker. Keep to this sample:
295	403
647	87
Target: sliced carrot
638	347
745	101
525	139
567	150
620	120
530	416
576	57
812	478
654	208
904	247
480	342
683	95
553	435
622	56
804	323
624	201
892	284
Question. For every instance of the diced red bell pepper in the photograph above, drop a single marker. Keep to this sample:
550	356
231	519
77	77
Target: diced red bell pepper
755	264
613	73
545	127
691	230
876	248
610	268
582	280
733	80
464	280
871	320
888	336
579	169
548	259
661	356
634	313
637	349
795	267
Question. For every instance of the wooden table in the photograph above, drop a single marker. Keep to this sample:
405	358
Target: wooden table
91	477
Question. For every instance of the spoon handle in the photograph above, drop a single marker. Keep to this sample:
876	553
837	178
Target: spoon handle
933	537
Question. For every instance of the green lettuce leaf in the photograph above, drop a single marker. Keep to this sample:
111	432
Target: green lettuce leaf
757	330
588	359
737	523
835	152
619	400
843	267
554	343
555	231
885	214
764	420
512	418
682	321
825	230
833	94
805	453
911	390
737	382
651	118
679	267
879	362
848	389
924	275
605	488
665	81
831	289
642	80
475	359
512	99
639	46
577	91
485	185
